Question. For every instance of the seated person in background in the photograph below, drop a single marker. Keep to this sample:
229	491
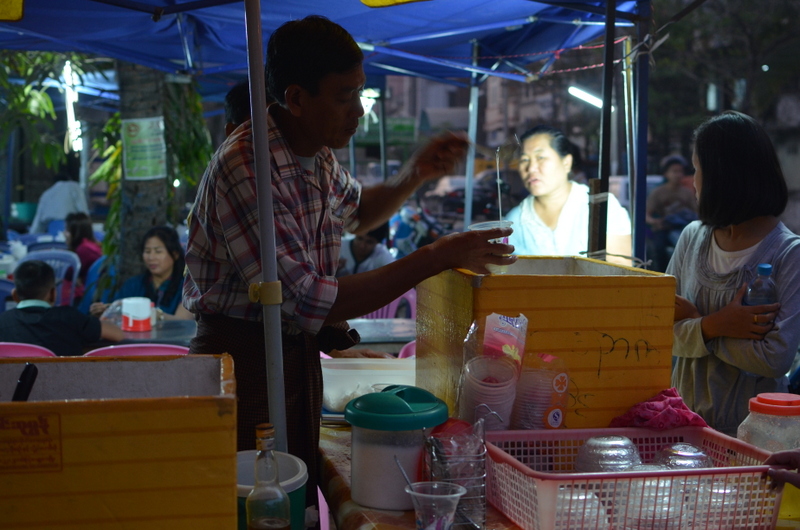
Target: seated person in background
554	219
364	253
80	240
62	198
670	207
63	329
162	281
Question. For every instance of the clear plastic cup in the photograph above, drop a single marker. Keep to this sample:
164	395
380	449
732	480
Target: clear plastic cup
435	503
491	225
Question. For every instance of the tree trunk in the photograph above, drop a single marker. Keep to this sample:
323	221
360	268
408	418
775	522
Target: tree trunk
144	202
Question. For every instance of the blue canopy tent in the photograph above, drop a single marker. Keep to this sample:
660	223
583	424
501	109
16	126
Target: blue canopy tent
447	41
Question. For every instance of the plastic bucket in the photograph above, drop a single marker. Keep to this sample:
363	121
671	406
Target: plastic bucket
293	475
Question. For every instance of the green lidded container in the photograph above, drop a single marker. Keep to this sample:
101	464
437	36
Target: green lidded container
388	434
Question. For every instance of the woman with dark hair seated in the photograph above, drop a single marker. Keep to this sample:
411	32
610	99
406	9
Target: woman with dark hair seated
162	281
727	352
80	239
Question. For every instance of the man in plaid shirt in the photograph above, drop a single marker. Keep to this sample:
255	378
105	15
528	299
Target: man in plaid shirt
315	75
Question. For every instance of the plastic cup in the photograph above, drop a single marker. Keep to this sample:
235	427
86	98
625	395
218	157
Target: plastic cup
491	225
435	503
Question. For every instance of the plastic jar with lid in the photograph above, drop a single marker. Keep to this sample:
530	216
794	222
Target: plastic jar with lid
773	423
388	435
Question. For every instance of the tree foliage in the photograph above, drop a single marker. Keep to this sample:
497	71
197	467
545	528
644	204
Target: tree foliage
25	104
747	49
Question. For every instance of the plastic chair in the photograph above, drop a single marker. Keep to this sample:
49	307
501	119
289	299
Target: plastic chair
61	261
92	277
21	349
409	350
138	350
47	245
56	226
6	286
28	239
390	310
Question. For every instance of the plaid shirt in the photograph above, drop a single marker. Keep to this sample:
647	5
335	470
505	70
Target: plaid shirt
311	211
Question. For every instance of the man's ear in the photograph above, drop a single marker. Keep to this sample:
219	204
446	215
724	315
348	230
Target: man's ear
14	295
295	98
51	296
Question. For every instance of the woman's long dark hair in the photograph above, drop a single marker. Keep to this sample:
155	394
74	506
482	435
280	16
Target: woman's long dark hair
79	226
172	242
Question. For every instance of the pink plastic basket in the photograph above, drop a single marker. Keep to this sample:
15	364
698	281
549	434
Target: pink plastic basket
531	479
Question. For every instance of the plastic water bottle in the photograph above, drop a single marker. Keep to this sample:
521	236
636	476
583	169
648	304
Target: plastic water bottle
762	290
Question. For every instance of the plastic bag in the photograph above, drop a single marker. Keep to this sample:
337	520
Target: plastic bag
487	387
113	313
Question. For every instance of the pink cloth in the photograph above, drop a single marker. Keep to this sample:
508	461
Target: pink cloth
664	411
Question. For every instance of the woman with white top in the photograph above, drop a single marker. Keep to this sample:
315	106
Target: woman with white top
554	219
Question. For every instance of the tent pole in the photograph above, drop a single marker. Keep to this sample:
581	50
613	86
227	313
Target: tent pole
642	81
598	201
269	269
382	134
472	132
630	130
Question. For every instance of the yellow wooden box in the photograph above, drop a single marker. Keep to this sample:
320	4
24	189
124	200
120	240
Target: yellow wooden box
611	324
133	443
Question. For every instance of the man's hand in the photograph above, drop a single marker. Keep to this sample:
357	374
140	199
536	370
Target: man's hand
439	157
473	251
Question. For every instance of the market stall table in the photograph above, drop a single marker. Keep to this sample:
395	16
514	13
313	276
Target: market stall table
178	332
384	334
334	446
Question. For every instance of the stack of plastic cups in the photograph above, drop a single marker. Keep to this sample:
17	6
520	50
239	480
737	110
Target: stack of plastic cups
539	404
488	391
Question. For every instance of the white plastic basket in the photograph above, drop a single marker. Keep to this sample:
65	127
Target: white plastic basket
531	479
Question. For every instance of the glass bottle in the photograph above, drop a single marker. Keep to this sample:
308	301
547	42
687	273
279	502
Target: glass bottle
268	504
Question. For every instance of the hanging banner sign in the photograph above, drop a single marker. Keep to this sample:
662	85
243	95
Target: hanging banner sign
144	149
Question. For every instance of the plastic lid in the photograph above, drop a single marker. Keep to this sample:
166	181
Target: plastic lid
764	269
776	404
397	408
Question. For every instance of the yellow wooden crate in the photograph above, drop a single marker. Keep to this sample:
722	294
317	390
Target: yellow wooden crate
611	324
133	444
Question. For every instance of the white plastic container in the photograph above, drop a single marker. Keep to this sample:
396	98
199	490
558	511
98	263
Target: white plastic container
387	431
136	314
346	379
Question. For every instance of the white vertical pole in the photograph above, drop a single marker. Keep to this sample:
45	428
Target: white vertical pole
266	227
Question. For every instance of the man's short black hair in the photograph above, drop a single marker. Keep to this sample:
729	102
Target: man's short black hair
237	103
33	280
741	177
302	52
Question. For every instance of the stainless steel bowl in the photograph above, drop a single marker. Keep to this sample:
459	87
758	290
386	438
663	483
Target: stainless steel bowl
682	455
606	454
